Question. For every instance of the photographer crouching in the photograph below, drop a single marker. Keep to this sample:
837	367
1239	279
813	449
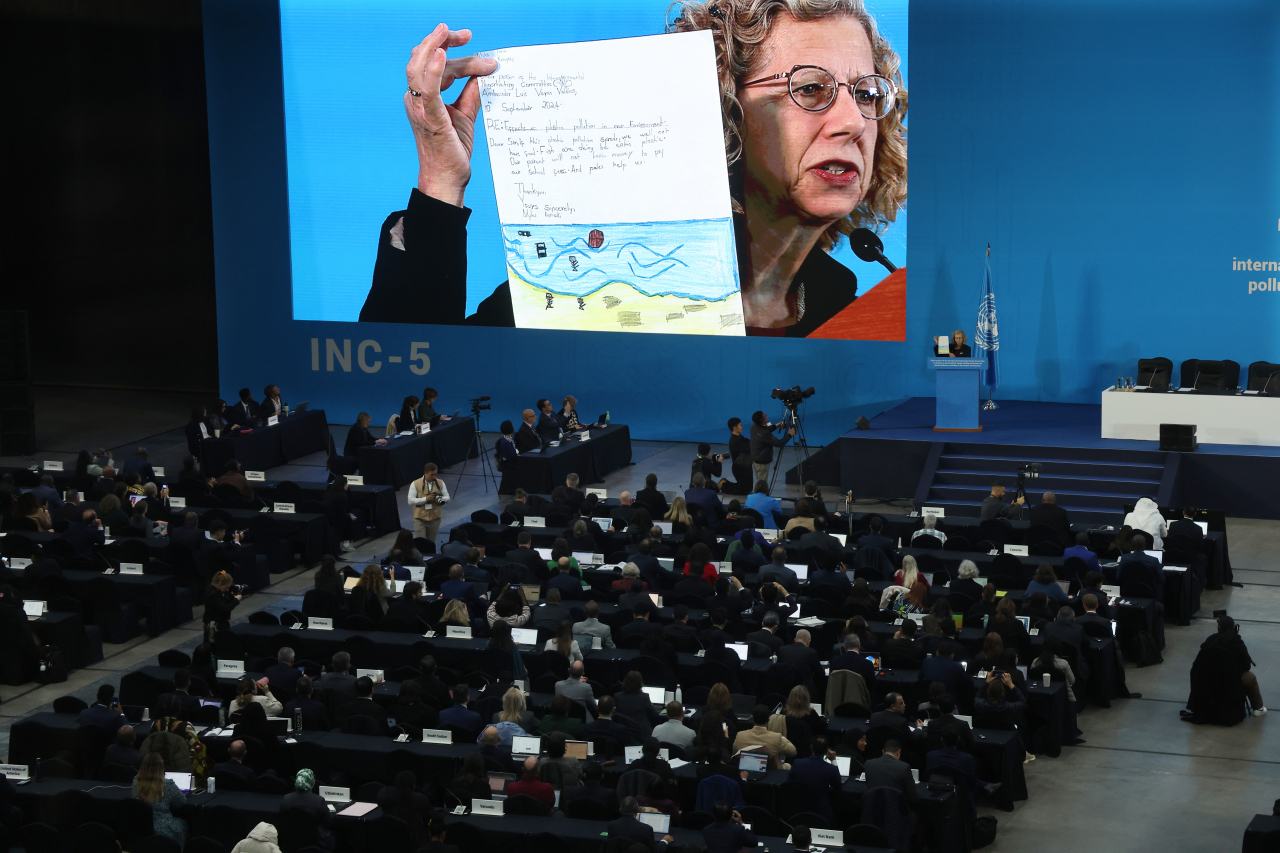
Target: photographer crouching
1221	679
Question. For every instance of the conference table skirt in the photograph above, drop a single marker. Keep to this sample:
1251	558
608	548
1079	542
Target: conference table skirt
268	446
608	450
400	461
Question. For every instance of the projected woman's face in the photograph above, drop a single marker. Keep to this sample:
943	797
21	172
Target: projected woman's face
814	165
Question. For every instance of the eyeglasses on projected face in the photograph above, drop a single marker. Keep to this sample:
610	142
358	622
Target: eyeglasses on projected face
814	88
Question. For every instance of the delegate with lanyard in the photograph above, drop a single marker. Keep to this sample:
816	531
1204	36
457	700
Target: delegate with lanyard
426	496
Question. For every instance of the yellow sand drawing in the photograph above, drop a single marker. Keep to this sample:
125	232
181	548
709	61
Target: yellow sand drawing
618	307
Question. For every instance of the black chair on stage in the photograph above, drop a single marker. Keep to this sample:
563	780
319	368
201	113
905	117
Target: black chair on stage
1263	376
1205	375
1155	372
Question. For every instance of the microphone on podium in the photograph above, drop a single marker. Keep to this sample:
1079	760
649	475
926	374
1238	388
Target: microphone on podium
867	246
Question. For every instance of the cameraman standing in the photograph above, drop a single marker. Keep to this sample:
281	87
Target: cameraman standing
763	443
994	506
220	598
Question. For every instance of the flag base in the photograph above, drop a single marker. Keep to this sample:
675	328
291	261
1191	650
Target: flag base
989	406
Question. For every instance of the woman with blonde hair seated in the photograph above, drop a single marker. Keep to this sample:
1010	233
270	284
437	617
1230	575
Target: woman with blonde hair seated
906	576
679	515
163	795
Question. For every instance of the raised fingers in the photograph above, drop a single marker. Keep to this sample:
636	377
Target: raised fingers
421	55
466	66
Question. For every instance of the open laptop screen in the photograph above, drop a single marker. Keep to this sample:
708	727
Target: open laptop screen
740	648
526	745
182	780
576	749
657	695
753	762
525	636
660	822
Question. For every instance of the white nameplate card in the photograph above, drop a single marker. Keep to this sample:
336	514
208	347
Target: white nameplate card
938	511
355	479
489	807
15	771
597	559
535	521
131	568
827	837
319	623
256	476
158	470
230	667
1016	550
52	465
272	420
283	507
458	632
586	436
19	562
335	795
600	493
177	503
437	736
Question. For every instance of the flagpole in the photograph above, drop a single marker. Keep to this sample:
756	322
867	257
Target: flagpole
990	405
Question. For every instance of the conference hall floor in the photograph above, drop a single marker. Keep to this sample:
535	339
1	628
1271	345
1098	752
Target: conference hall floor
1143	780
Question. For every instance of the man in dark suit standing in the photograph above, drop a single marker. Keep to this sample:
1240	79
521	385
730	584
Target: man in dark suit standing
314	716
1050	514
628	826
803	658
359	436
245	412
283	677
889	771
527	437
549	426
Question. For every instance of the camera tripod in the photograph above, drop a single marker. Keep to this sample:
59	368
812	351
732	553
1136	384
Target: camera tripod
477	442
800	446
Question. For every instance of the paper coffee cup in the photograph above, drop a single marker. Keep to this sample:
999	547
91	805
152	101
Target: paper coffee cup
1048	679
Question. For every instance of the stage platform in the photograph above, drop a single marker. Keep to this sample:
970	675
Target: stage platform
902	457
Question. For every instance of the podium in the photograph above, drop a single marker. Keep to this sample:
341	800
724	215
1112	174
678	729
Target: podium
959	393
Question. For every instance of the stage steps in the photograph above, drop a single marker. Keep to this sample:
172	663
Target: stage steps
1092	484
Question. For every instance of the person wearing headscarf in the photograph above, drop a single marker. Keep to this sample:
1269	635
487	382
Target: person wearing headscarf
1146	517
304	799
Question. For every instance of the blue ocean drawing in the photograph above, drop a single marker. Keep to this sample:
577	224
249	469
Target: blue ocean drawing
689	259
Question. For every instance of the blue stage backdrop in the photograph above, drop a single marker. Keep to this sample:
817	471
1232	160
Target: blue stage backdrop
1119	157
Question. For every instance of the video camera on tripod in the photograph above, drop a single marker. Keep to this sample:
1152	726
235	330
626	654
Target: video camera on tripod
477	408
792	397
1026	471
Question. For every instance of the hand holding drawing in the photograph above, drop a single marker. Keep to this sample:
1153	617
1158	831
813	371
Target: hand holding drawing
444	134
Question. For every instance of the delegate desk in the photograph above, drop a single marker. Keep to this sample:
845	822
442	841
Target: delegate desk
1233	417
153	595
378	501
267	447
608	450
226	816
400	461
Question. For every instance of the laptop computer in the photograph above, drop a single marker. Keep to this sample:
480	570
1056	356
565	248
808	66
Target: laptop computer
302	407
657	695
525	636
417	573
1065	586
754	763
280	726
35	609
661	823
1159	555
526	745
583	557
577	749
665	527
801	570
875	660
740	648
1026	622
182	780
603	419
498	783
544	553
667	563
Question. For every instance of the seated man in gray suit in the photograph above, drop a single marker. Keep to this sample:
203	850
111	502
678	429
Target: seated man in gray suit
593	626
888	771
577	688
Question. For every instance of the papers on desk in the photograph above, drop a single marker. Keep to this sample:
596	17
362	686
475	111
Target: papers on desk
1174	568
676	763
811	621
358	809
